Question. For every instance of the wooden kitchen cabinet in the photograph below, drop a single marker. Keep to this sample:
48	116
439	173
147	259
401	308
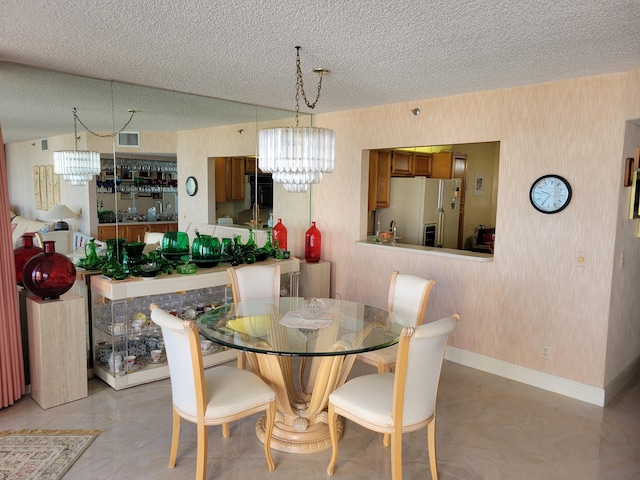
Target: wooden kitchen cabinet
135	232
449	165
402	164
250	164
422	163
379	179
229	178
106	231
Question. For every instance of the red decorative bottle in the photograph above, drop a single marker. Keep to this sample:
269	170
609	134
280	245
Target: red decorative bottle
24	253
279	233
312	243
49	274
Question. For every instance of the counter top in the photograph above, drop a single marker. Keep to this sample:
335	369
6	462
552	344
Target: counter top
433	251
132	222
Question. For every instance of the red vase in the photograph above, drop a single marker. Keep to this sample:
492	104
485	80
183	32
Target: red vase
312	244
279	233
24	253
49	274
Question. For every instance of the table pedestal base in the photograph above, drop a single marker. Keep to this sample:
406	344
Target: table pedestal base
286	438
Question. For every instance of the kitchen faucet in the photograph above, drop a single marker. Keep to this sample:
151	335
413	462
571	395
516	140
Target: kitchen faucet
159	203
393	227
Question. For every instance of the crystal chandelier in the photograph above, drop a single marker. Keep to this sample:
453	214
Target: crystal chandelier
297	156
78	167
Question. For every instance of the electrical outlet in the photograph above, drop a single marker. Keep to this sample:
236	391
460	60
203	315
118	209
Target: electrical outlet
545	352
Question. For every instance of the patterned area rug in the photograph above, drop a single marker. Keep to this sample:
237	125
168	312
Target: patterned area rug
41	454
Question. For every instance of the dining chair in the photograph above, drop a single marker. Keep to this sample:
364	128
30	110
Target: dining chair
408	296
253	282
153	240
214	397
395	403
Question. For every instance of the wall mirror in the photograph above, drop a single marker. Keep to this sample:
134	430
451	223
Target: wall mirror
36	110
435	196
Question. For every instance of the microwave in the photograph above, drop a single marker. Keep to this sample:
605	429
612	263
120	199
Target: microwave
261	190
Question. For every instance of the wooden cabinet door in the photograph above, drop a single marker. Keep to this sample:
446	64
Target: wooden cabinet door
235	178
229	178
163	227
402	164
221	179
422	162
135	233
106	231
441	166
379	179
250	165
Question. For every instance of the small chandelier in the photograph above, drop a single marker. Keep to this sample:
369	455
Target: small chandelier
78	167
298	156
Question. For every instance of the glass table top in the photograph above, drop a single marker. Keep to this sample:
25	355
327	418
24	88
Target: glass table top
301	326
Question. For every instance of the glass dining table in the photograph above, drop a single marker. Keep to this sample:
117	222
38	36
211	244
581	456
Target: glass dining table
318	339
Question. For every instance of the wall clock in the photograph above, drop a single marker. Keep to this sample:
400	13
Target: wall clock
550	194
191	186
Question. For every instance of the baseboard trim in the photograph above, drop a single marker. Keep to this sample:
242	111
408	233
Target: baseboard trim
617	384
528	376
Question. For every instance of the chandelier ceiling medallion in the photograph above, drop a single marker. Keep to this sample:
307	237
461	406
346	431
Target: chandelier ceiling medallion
298	156
78	167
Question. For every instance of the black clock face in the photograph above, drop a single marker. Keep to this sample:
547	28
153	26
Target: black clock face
550	194
191	186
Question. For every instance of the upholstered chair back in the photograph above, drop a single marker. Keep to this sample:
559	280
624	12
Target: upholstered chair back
423	367
182	346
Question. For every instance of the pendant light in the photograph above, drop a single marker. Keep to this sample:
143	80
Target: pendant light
298	156
78	167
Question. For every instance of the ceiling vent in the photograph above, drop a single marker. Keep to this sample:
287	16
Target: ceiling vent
129	139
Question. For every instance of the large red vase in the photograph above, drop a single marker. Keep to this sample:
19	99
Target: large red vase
312	244
49	274
24	253
279	234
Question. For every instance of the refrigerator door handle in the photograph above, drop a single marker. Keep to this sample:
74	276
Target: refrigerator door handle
440	229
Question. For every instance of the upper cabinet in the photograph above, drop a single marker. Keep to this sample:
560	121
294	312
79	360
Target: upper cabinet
449	165
384	164
250	165
229	178
402	164
409	164
379	179
422	162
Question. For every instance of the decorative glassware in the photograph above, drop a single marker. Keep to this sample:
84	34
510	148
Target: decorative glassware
251	243
268	247
91	252
49	274
24	253
312	244
279	233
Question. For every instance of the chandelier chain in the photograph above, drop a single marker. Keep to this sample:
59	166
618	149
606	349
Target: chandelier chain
300	87
106	135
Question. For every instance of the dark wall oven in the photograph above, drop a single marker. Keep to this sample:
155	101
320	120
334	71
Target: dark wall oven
262	186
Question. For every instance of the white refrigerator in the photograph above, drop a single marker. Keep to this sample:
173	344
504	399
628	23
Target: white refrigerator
426	211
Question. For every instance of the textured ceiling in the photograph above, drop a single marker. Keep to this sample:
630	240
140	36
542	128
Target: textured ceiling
378	52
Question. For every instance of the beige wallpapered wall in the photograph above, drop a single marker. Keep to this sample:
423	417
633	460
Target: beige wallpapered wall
533	292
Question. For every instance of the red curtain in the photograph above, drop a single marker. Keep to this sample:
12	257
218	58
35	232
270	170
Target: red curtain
11	366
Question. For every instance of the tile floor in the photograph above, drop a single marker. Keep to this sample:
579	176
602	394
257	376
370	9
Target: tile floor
488	428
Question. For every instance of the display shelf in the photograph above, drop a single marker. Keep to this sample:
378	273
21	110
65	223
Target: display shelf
122	326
